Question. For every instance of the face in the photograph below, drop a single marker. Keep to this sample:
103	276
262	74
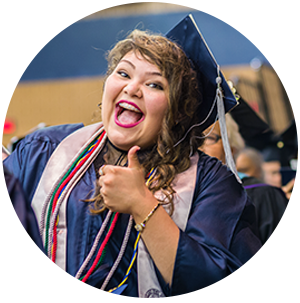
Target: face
135	101
213	145
272	173
244	164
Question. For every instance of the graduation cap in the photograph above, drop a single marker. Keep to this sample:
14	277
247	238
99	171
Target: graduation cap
187	35
6	34
255	131
283	147
217	95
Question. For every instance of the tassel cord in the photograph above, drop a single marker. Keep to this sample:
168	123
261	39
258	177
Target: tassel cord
222	121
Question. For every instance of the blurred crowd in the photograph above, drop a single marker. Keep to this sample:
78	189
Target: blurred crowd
266	163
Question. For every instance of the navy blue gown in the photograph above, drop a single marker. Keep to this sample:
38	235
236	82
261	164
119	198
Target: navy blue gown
24	264
221	232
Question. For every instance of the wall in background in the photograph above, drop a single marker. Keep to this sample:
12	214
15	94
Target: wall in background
52	71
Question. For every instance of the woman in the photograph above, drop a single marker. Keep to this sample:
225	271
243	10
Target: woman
137	170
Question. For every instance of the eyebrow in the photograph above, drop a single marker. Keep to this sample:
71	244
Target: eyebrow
155	73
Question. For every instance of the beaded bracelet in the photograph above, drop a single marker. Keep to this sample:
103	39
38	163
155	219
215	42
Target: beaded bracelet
140	227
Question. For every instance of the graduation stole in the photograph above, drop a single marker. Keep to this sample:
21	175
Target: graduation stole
62	171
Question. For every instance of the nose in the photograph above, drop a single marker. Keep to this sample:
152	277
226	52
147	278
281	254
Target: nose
133	89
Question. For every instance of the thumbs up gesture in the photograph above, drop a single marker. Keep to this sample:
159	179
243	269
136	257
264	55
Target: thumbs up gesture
123	188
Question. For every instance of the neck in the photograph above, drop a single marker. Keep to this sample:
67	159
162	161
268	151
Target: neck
114	155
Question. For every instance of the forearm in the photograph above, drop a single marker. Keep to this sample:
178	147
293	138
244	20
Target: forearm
161	236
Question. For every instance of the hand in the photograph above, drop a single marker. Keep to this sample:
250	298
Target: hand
123	188
292	196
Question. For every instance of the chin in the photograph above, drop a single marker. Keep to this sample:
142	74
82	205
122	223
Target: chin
120	144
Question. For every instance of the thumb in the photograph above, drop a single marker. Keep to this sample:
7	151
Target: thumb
133	160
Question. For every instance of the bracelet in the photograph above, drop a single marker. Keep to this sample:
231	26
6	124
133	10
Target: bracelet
140	227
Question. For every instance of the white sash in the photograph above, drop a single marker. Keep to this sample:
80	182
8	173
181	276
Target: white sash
61	159
58	164
184	185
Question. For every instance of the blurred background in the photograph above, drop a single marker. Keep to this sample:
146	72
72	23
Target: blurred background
63	83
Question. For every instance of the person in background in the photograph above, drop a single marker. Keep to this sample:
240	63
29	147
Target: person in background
281	164
249	161
277	220
273	171
271	168
129	205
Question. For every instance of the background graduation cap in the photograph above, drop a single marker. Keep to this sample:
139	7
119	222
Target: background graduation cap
216	94
256	132
283	147
6	34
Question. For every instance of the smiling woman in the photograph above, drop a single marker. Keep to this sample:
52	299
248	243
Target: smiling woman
140	167
133	104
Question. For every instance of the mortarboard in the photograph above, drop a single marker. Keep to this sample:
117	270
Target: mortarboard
290	136
283	147
256	132
217	96
187	35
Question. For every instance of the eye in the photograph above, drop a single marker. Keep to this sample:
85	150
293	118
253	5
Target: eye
156	85
123	74
212	139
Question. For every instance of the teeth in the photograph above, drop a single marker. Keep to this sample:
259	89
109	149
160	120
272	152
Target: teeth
129	107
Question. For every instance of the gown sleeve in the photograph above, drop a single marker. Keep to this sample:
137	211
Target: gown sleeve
221	233
25	270
30	157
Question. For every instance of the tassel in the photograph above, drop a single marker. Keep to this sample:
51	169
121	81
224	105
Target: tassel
221	114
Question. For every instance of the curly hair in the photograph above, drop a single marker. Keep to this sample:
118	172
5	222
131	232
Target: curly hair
183	103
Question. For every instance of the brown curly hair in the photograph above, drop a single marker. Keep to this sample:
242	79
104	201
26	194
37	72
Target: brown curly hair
183	101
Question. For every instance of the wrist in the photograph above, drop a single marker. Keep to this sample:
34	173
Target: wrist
141	226
143	209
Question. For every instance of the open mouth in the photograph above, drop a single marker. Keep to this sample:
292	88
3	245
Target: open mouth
127	114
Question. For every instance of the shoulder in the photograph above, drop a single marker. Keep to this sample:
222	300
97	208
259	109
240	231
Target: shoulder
47	138
261	192
211	171
30	157
217	188
53	134
253	184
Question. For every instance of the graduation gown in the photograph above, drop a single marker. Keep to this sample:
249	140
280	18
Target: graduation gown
220	234
278	225
24	264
